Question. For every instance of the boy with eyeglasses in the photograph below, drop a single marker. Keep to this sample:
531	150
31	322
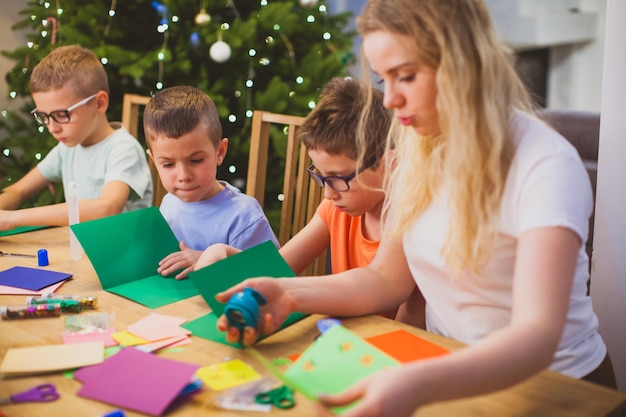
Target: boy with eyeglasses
348	220
109	167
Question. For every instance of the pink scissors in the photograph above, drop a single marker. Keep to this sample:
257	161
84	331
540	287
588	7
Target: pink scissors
40	393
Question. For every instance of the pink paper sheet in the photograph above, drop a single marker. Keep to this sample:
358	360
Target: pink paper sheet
6	290
136	380
104	336
158	326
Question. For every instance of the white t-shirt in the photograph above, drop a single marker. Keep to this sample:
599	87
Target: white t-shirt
119	157
547	186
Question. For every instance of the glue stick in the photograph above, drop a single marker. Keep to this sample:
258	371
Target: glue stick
71	196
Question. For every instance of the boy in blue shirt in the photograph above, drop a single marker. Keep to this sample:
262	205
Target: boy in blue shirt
71	91
184	136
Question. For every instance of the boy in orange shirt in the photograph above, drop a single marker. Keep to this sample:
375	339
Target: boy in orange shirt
348	220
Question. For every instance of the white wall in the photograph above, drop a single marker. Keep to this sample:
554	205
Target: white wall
608	276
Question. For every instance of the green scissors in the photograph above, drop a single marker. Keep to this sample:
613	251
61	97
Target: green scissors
281	397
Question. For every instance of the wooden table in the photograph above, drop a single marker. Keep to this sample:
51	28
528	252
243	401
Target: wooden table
547	394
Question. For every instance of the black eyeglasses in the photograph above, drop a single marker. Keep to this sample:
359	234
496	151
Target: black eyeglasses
339	183
59	116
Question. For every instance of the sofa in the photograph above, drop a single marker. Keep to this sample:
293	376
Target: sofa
582	129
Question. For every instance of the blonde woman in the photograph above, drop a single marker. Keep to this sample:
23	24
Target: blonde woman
487	212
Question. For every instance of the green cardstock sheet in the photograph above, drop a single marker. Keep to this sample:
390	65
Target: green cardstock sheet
22	229
125	250
334	362
262	260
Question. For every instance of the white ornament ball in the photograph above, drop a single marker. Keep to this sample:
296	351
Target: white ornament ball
220	51
203	18
308	3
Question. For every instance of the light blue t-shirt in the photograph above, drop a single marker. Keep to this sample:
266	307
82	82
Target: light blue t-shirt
229	217
119	157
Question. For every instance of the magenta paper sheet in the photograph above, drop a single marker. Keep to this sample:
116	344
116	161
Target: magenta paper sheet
136	380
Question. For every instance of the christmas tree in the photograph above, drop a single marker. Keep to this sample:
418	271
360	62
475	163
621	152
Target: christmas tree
245	54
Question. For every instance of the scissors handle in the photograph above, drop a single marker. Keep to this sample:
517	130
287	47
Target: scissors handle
40	393
281	397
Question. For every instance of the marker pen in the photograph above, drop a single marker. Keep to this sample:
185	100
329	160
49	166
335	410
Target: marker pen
30	311
87	301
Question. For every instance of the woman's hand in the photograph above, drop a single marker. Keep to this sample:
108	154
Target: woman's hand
215	253
279	305
185	260
391	392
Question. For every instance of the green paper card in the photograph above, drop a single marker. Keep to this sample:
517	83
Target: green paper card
262	260
125	250
335	361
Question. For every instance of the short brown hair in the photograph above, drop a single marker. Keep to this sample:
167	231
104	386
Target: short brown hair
70	65
176	111
332	125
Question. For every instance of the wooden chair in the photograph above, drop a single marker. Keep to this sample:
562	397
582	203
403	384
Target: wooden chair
131	110
301	194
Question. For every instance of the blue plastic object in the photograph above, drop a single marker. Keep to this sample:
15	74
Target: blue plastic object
243	309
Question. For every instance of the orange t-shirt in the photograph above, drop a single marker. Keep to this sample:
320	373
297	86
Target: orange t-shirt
348	247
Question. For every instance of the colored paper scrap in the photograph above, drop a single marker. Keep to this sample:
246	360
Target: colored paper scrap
51	358
136	380
158	326
160	344
260	260
227	374
5	290
125	250
126	338
406	347
33	279
97	335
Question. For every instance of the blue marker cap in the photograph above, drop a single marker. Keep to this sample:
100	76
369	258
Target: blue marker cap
42	257
115	413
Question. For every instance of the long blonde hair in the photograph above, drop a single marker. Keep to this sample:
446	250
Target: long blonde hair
478	90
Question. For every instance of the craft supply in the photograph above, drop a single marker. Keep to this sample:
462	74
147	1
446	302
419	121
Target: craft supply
242	397
281	397
30	311
67	306
87	301
17	255
71	195
243	309
115	413
42	257
40	393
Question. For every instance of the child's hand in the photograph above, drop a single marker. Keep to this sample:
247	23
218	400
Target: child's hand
279	305
185	260
215	253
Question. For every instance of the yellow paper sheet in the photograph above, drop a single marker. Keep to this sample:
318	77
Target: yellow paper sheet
227	374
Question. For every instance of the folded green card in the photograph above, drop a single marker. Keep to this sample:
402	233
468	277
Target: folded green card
331	364
125	250
262	260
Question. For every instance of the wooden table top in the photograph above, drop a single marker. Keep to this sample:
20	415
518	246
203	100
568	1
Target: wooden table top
546	394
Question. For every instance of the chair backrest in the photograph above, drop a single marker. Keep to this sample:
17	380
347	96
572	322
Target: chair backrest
301	194
131	110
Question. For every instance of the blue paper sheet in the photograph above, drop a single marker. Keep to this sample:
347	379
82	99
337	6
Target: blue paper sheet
31	278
